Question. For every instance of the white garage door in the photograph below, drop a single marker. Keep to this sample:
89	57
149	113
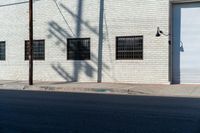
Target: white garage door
186	43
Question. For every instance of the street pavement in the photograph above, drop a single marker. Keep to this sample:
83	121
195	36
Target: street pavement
56	112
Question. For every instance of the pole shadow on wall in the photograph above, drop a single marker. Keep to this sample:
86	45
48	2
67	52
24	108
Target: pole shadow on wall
62	33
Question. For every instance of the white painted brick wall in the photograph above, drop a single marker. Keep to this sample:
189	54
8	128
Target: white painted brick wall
121	18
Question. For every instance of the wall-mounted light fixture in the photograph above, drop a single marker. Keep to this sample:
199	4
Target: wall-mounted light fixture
160	32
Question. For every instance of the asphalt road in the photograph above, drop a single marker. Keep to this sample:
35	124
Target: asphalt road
50	112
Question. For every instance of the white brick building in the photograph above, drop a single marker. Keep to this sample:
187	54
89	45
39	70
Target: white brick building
104	24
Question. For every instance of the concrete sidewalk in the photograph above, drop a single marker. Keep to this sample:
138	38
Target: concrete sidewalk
107	88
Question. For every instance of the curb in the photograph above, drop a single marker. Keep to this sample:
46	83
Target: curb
73	89
111	91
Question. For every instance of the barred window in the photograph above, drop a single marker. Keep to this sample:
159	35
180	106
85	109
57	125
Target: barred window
38	50
78	49
2	50
129	48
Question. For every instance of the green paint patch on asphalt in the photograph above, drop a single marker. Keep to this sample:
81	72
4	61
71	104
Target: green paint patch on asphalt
102	90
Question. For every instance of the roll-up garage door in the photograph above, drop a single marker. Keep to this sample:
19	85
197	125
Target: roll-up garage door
186	43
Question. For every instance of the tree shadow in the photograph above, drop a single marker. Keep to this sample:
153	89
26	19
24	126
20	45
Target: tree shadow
95	65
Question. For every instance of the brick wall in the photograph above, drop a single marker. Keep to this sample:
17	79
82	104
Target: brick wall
55	22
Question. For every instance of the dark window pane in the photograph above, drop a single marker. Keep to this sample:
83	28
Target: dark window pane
38	50
129	47
78	49
2	50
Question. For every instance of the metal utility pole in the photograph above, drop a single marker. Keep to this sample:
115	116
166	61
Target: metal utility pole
100	47
30	42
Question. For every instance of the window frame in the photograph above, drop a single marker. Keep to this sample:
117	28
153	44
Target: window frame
69	39
117	37
26	59
4	51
